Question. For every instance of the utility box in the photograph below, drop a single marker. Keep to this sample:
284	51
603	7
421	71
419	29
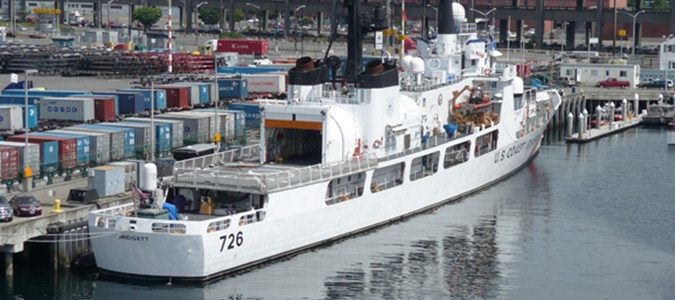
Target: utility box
106	180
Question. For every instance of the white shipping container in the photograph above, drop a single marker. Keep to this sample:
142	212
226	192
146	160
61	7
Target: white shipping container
266	83
33	155
11	117
107	180
67	109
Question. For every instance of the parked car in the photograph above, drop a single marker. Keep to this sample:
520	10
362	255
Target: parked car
529	33
568	81
658	83
6	211
613	82
26	205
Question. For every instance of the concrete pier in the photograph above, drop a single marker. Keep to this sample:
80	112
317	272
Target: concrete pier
604	130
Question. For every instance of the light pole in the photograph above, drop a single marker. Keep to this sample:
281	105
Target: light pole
663	52
436	10
197	21
27	171
256	14
634	16
107	24
297	24
562	44
485	15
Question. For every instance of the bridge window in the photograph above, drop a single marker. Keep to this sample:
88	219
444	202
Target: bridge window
457	154
424	166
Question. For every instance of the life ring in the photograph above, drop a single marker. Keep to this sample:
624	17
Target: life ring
487	72
377	144
434	63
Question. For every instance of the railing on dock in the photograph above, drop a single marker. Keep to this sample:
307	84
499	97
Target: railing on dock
265	183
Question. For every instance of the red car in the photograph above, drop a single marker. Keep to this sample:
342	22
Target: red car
26	205
613	82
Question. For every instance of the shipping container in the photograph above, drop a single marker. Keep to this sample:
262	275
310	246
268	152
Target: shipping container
82	145
199	92
67	149
266	83
19	99
213	90
130	172
32	114
27	155
241	46
9	163
99	145
142	136
196	129
67	109
176	128
162	136
129	139
239	119
193	91
226	126
127	102
117	101
160	97
11	118
104	108
176	96
46	93
107	180
117	138
251	109
232	88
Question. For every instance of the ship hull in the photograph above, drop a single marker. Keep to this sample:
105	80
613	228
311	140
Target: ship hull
298	219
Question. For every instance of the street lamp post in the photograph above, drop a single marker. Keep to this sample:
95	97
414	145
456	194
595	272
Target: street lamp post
256	14
28	172
486	14
436	10
197	21
634	16
107	25
297	24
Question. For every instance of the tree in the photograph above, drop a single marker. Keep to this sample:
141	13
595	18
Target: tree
306	21
239	15
147	16
209	15
661	5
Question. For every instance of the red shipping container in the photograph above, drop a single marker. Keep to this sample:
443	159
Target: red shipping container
104	108
67	147
259	47
9	163
176	96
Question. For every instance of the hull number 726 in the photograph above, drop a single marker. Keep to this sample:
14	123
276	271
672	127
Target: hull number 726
234	241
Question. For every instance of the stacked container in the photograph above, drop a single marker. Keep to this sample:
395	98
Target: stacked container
226	126
199	92
176	128
160	97
239	117
128	103
250	109
105	108
65	147
176	96
196	129
82	145
9	163
107	180
32	158
116	97
141	136
67	109
99	144
19	99
11	118
232	88
121	138
46	93
266	83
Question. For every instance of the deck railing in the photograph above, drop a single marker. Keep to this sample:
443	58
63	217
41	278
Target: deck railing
265	183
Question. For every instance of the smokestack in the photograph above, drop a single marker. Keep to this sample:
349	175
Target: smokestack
446	22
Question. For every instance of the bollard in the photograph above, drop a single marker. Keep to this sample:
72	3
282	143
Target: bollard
570	124
586	120
598	116
612	110
580	123
57	206
636	104
624	110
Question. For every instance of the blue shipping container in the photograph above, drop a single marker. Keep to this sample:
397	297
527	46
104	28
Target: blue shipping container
18	99
128	103
163	137
46	93
32	114
252	70
129	137
204	93
251	109
83	142
160	97
232	88
49	153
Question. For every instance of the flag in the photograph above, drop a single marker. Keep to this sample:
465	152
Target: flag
403	16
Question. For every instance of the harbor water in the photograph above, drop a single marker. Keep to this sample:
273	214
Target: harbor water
589	221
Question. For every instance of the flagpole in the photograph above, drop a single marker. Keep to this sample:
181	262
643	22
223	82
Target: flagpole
403	17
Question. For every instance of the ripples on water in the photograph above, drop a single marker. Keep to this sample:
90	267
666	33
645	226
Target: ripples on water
588	221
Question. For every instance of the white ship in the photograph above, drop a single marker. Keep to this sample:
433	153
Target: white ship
334	161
